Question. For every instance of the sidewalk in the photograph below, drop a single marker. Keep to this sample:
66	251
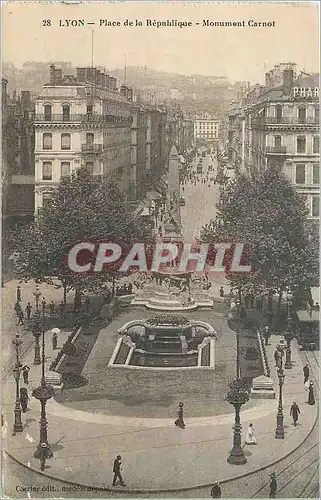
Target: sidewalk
156	454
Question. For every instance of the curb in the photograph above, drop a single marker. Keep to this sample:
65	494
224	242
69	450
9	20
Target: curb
170	490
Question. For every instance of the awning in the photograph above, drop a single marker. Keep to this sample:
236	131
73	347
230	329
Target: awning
145	212
306	317
153	195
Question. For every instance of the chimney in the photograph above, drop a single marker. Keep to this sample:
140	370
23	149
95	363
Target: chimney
25	98
287	81
112	83
52	74
81	74
123	91
58	76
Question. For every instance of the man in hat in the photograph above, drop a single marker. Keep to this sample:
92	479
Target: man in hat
28	310
216	491
25	374
306	373
295	411
116	471
273	485
266	334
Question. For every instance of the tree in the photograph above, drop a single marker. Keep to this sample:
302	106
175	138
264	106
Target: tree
83	208
270	218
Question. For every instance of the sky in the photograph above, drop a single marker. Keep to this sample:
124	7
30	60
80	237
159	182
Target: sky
239	53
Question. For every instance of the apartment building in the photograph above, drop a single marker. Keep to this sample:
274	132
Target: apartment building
206	128
278	124
81	120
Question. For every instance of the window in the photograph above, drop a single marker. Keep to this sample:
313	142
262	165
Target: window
316	144
315	206
300	173
278	113
48	112
316	113
46	200
65	141
47	141
302	114
47	171
316	173
65	169
90	167
66	113
277	141
301	143
90	138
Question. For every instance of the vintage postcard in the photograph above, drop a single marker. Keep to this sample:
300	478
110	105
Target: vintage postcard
160	249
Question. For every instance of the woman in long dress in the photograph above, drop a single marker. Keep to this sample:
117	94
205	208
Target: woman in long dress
311	400
250	435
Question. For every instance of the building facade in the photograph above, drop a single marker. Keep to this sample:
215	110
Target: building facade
278	124
81	120
17	157
206	128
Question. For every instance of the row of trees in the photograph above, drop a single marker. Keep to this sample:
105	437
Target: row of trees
270	218
83	208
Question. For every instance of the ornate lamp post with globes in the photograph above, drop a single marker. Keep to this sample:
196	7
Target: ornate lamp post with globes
237	396
17	427
279	432
288	334
43	393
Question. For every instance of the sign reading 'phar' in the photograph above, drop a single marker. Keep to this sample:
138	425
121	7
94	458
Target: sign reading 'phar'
305	92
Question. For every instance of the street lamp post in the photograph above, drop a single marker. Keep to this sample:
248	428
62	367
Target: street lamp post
288	334
237	396
17	427
279	432
43	393
37	334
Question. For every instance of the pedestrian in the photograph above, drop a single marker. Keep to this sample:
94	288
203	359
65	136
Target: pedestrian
17	308
216	491
43	305
28	310
266	334
311	400
24	398
25	374
221	292
306	373
179	422
20	316
250	435
61	308
277	356
51	308
18	294
295	411
54	341
117	472
273	485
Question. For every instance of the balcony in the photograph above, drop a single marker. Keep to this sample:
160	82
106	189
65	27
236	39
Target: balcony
280	150
81	118
91	148
286	120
